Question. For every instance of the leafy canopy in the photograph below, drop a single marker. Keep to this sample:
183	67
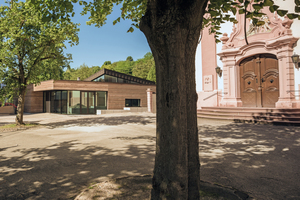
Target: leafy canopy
82	72
219	11
142	68
31	48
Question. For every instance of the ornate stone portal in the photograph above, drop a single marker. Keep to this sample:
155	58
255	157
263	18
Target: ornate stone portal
260	74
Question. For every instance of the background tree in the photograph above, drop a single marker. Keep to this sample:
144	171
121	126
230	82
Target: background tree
82	72
29	44
52	69
123	67
172	29
107	63
142	66
129	58
152	74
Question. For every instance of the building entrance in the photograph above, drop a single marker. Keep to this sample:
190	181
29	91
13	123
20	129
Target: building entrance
74	102
259	81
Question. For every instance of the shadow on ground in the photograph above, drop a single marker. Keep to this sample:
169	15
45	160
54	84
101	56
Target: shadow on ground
111	121
61	171
262	160
139	188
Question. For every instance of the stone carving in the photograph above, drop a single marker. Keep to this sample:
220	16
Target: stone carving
285	27
225	42
259	29
286	23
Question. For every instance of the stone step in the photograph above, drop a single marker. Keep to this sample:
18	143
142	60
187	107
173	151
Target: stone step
290	116
261	121
247	109
257	115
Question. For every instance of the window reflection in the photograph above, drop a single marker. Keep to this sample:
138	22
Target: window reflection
132	102
113	79
84	102
74	102
101	101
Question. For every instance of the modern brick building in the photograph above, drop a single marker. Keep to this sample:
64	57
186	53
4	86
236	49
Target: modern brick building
105	90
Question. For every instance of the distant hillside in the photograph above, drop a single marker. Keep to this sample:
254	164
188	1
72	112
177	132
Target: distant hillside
142	68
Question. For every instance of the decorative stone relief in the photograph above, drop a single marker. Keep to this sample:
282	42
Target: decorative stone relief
260	29
225	42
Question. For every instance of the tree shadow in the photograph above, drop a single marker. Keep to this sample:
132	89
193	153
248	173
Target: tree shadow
286	117
111	121
62	170
262	160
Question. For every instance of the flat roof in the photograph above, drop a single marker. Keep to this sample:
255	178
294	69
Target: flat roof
81	85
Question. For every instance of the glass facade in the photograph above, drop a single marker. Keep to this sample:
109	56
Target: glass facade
74	102
112	79
101	100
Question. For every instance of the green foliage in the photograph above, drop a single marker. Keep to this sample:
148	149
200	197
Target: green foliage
218	11
139	68
98	10
31	50
142	66
129	58
123	67
152	74
82	72
107	63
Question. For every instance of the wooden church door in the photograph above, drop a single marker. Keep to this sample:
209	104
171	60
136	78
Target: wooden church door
259	81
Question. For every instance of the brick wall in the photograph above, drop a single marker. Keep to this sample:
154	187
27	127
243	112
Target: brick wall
33	100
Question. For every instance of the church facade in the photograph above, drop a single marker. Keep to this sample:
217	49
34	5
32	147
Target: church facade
258	75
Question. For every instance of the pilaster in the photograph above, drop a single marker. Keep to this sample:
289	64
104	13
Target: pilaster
286	78
231	83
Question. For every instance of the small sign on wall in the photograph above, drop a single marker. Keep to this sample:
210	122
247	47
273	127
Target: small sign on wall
208	83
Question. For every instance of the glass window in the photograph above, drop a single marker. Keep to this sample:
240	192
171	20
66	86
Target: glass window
84	102
132	102
44	101
100	78
101	101
64	102
91	103
112	79
120	80
74	102
55	101
109	78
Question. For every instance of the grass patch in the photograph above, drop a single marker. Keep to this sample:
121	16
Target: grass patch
7	126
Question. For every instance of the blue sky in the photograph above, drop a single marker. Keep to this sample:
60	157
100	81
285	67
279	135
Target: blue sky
113	43
107	43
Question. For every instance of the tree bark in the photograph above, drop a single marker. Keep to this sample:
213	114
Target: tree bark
20	107
21	93
172	29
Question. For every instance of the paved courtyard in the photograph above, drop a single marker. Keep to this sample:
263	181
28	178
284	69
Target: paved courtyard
68	153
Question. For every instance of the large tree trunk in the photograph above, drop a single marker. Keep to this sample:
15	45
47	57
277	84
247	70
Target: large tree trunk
20	107
172	29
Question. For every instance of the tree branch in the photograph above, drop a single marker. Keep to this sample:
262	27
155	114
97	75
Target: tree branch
245	26
34	64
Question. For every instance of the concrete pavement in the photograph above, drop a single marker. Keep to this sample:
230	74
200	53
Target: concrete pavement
262	160
69	153
60	159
